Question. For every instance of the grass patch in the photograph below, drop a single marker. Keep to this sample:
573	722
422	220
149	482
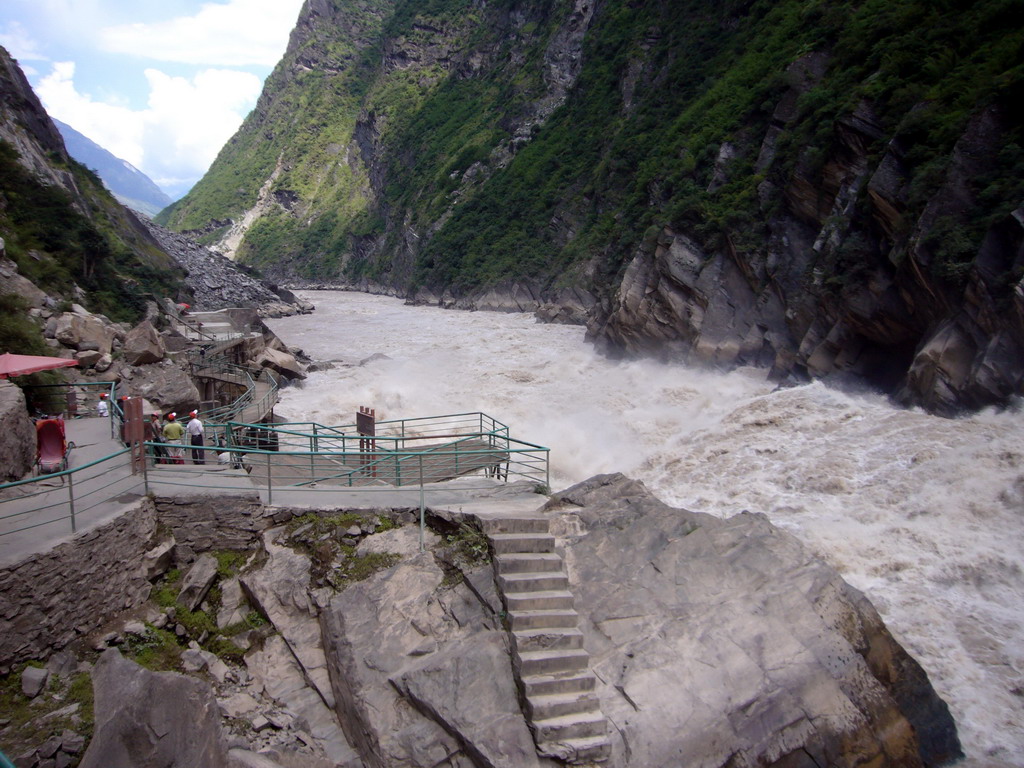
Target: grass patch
158	650
32	721
469	546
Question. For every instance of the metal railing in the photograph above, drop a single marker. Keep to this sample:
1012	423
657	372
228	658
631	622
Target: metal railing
397	434
68	400
280	458
67	494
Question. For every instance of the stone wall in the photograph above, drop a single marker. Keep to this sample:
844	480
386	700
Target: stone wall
51	599
204	523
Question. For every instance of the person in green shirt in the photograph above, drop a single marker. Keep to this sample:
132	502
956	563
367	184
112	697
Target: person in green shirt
173	433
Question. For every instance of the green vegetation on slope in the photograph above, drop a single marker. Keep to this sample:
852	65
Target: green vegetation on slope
635	147
58	247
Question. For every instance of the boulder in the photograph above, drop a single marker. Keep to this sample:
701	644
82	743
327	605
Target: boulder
12	282
282	363
466	688
17	435
384	626
33	680
233	608
73	329
143	345
197	581
88	358
146	718
162	384
280	591
727	642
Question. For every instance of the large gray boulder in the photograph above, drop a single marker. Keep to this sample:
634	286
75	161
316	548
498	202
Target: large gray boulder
84	331
725	642
280	590
17	435
282	363
404	653
163	384
144	345
12	282
148	719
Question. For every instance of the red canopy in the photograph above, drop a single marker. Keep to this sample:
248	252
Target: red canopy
19	365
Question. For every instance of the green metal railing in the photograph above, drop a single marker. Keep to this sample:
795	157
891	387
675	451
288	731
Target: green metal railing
281	458
80	490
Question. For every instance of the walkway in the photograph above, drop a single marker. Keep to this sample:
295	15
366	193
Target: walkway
37	517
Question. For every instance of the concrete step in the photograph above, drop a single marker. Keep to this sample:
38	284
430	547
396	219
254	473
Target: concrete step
579	726
547	639
591	749
522	542
528	562
562	661
516	524
550	600
548	685
533	582
559	704
540	619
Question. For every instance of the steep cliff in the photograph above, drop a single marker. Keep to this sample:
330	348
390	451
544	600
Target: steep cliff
60	226
829	188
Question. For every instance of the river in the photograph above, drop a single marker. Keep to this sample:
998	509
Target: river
923	514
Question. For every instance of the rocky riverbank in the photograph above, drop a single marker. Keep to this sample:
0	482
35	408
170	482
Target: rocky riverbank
332	640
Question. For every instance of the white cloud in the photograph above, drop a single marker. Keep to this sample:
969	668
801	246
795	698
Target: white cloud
237	33
19	43
176	137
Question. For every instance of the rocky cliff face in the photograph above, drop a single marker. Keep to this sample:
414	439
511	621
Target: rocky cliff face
60	225
830	192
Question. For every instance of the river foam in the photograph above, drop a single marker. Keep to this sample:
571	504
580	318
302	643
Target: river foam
925	515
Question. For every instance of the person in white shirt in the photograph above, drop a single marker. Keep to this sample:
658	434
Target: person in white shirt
195	434
103	407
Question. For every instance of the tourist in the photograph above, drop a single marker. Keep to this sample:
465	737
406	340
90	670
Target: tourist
156	436
103	407
173	432
195	434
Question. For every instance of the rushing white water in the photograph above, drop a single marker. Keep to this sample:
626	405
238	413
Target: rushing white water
925	515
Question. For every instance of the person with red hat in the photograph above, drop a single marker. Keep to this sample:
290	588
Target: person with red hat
103	407
173	433
195	434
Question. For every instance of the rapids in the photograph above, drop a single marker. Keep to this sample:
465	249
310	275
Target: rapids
923	514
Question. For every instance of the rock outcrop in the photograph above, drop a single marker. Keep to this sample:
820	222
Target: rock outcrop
146	718
17	449
712	642
730	636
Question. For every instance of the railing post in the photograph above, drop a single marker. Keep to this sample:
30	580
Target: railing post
270	491
145	471
71	501
423	506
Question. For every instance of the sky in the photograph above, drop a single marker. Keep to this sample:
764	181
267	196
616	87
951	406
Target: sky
162	84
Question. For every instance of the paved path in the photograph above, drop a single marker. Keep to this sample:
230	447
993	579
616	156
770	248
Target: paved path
37	518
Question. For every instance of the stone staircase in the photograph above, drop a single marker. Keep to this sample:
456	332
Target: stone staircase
552	667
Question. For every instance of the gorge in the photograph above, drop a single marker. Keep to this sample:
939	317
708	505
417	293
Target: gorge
829	190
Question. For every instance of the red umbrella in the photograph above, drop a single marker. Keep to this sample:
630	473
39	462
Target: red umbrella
20	365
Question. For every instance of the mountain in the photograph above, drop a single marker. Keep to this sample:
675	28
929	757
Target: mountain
830	188
61	227
128	184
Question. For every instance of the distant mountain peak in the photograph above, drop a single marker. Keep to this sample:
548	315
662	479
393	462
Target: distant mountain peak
127	183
